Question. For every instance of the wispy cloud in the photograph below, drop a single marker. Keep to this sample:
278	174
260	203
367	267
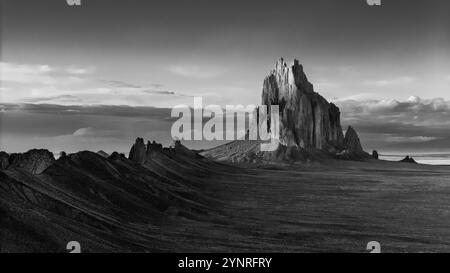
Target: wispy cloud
81	70
391	82
413	139
75	128
26	73
121	84
198	72
36	83
61	98
413	123
91	132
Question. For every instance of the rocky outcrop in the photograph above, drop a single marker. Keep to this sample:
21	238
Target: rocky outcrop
62	154
4	160
375	154
138	151
307	120
408	159
352	142
310	126
33	161
141	153
103	153
153	147
116	156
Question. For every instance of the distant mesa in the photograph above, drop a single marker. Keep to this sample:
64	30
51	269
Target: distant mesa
310	126
408	159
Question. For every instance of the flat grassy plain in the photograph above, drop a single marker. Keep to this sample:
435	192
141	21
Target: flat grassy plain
334	206
182	203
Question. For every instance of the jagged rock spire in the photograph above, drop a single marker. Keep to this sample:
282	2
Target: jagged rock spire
307	120
138	151
351	140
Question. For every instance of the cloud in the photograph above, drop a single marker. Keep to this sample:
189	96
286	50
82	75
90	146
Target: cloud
77	85
61	99
26	73
122	84
90	132
391	82
413	123
75	128
91	110
80	70
414	139
197	72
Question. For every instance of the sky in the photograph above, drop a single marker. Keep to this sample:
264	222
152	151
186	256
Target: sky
98	75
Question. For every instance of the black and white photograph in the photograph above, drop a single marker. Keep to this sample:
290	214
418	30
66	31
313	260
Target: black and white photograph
223	126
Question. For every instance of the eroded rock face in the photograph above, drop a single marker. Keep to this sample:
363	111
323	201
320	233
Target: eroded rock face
4	160
142	153
33	161
352	142
310	126
153	147
307	120
138	151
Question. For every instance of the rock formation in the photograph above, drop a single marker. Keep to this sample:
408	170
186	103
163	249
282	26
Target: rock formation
408	159
142	153
4	160
33	161
375	154
310	126
138	151
307	120
351	141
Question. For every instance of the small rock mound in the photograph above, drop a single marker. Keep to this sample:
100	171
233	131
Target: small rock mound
375	154
116	156
181	149
33	161
408	159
